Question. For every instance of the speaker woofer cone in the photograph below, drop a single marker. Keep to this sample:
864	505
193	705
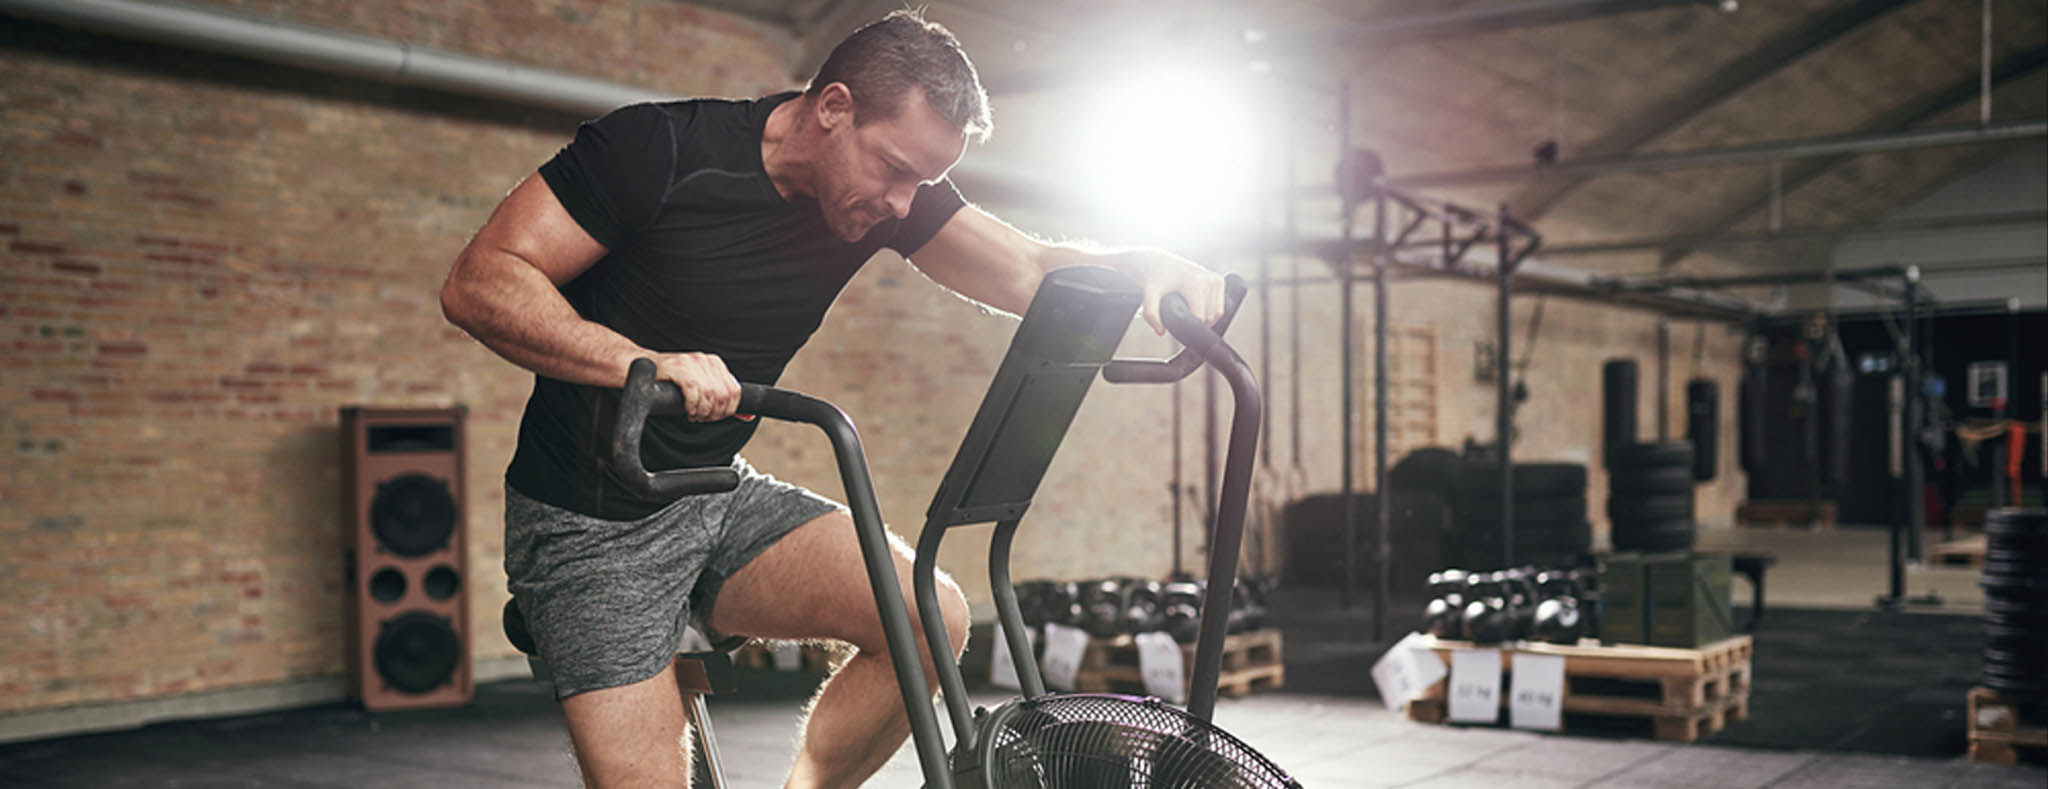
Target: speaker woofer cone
417	651
442	582
387	585
413	514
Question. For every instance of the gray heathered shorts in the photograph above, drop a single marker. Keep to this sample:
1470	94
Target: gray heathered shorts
606	601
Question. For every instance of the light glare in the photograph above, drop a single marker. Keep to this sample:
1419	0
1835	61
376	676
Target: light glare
1170	155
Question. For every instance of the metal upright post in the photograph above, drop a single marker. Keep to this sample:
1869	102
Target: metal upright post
1504	418
1343	260
1664	379
1916	513
1381	250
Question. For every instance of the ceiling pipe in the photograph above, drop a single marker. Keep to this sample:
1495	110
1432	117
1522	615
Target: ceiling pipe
327	51
1760	153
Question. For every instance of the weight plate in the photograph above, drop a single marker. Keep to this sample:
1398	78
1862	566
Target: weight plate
2001	606
1669	535
1995	631
1669	507
1650	480
1433	469
1546	513
2036	561
1532	479
1664	454
1998	576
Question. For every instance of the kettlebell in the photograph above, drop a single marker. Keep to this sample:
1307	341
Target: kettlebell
1102	607
1557	621
1486	617
1141	613
1518	599
1181	602
1443	617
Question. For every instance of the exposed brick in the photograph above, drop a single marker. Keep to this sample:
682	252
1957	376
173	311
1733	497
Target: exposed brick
80	139
35	247
123	349
70	266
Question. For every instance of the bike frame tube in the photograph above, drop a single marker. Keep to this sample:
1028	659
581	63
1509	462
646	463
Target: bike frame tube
1228	534
924	584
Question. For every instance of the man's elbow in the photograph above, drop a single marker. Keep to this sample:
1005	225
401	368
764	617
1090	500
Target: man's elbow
457	305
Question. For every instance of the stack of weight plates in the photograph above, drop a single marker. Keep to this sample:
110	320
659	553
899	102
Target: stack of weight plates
1550	516
2016	606
1649	496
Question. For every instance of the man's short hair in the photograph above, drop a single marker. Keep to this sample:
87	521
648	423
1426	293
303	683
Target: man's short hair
888	57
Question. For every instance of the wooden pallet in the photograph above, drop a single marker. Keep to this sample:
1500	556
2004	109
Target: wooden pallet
1667	725
1998	730
1251	661
1967	552
817	658
1781	513
1684	693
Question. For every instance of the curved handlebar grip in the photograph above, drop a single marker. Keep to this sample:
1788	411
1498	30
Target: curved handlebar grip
644	396
1182	324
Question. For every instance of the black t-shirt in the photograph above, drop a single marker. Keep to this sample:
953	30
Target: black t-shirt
704	255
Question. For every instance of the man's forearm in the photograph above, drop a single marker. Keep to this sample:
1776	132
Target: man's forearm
510	307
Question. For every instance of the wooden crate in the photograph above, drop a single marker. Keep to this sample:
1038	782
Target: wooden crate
1966	552
817	658
1779	513
1684	693
1251	661
1999	730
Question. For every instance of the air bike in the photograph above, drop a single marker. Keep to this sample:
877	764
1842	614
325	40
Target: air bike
1045	740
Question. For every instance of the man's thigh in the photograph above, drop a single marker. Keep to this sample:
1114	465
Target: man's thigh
812	583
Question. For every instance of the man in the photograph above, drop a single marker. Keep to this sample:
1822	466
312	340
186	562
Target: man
712	236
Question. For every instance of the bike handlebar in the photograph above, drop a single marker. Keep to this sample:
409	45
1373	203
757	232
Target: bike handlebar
1195	338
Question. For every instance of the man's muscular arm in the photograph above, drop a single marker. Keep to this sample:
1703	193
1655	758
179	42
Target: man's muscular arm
985	259
504	289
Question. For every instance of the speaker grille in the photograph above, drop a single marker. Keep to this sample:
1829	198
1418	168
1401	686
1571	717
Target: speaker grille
413	514
417	652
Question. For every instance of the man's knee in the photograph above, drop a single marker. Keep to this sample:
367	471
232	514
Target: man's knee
953	609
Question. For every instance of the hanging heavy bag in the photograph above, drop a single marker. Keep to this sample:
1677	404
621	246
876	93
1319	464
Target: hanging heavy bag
1702	426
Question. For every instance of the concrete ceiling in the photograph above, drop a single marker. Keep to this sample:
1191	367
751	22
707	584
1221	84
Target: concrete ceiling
1482	87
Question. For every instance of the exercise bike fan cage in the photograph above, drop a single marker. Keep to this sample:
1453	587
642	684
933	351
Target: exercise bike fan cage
1066	339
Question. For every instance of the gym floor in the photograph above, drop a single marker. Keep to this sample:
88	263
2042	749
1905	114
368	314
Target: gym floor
1841	724
512	736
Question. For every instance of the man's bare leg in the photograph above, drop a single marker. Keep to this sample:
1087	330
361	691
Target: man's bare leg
813	584
632	735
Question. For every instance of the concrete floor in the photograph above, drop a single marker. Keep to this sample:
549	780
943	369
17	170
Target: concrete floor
512	737
1324	729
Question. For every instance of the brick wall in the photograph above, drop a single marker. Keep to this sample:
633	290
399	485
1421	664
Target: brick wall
203	260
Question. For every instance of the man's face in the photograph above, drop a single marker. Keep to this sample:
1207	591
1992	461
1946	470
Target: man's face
873	169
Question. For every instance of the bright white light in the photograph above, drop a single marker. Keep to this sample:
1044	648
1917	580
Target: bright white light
1173	154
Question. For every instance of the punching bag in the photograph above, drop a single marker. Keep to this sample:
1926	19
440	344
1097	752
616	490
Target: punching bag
1838	402
1617	406
1750	411
1703	426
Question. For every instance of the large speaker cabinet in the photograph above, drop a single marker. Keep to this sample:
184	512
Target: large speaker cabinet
405	550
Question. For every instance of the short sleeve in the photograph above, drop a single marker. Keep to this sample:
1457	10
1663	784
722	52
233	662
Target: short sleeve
613	176
934	204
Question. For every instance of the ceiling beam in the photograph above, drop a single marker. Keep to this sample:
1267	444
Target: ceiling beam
1766	59
1419	25
1801	233
1579	170
1383	32
1912	113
